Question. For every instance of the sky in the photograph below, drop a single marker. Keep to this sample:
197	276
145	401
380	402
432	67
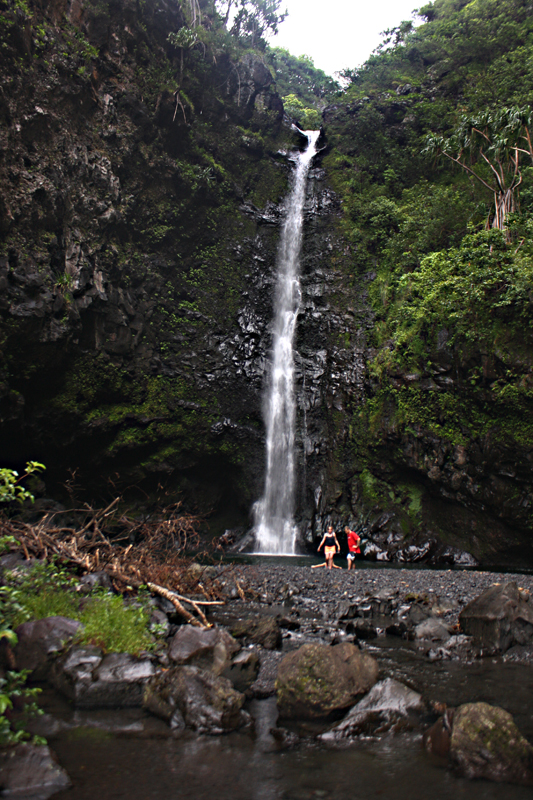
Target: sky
339	34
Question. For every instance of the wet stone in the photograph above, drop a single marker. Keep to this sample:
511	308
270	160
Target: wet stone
30	772
317	680
499	618
387	703
211	649
485	743
197	699
40	641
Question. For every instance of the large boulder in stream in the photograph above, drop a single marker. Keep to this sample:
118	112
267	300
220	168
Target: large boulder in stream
500	617
485	743
388	705
195	698
318	680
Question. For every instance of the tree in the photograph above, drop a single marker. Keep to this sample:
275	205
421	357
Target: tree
297	75
308	118
490	147
194	12
255	19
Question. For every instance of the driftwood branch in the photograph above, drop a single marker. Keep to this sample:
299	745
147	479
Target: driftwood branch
154	558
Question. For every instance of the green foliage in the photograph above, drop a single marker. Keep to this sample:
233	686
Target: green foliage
307	118
256	19
480	292
449	298
10	483
114	626
298	76
48	589
497	140
13	689
185	38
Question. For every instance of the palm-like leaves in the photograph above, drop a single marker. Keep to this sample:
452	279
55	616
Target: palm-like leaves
497	138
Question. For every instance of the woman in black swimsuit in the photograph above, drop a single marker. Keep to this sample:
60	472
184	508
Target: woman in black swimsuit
331	546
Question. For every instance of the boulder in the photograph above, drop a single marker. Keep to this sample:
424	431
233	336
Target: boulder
211	649
195	698
40	641
318	680
432	629
387	703
485	743
264	631
31	772
500	617
243	670
91	680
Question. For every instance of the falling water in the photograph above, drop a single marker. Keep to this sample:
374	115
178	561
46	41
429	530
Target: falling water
274	525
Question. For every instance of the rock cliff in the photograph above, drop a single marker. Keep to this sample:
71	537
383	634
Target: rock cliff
142	191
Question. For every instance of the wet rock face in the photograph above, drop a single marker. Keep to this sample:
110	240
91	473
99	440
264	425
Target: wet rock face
91	680
317	680
264	631
136	282
485	743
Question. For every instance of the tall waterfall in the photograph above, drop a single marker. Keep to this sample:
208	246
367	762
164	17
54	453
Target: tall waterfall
275	531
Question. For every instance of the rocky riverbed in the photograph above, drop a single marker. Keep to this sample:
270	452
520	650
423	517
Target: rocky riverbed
401	625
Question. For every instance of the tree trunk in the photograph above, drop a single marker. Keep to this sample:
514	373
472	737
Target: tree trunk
504	203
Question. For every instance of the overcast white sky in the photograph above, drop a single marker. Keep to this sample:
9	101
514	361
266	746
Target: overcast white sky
339	34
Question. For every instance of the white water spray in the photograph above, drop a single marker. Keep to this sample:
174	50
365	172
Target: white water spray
275	532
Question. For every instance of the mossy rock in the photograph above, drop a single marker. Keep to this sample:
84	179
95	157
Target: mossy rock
486	743
318	680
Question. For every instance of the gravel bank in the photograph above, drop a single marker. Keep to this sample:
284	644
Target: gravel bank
321	589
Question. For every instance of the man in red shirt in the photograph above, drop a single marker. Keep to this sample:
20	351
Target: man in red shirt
354	540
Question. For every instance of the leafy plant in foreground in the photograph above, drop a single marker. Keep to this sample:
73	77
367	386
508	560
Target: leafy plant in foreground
10	483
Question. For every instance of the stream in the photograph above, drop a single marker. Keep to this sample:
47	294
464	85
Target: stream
131	754
142	762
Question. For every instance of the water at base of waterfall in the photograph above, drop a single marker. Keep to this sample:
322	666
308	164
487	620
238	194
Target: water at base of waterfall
275	531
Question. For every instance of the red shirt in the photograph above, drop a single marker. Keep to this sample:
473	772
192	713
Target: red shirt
353	542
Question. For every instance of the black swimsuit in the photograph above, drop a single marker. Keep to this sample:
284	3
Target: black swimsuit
329	541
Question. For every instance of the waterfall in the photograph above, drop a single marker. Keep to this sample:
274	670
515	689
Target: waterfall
275	531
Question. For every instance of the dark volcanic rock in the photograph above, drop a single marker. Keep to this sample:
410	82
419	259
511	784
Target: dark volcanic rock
485	743
317	680
264	631
92	680
197	699
30	772
388	702
243	670
39	641
210	649
499	618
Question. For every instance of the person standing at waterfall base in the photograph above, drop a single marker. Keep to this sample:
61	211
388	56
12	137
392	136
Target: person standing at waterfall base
354	540
331	546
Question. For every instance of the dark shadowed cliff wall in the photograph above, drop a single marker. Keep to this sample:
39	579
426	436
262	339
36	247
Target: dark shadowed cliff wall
140	218
137	263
